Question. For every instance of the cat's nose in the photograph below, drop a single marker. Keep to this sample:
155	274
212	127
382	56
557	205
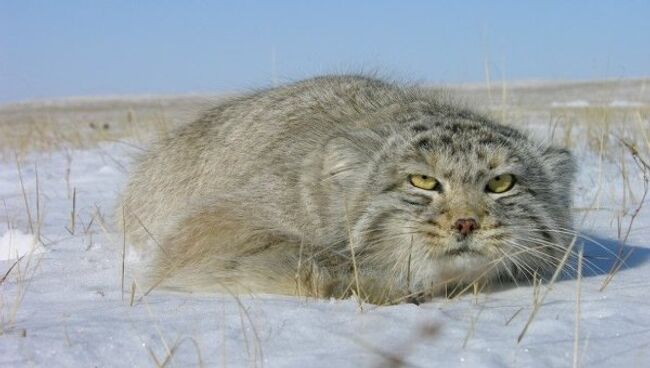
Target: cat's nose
466	226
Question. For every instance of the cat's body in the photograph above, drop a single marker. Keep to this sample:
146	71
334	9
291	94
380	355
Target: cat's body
309	189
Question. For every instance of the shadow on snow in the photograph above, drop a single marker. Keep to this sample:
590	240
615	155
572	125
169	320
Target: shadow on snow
602	255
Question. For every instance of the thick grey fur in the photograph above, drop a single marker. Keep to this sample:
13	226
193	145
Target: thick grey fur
304	189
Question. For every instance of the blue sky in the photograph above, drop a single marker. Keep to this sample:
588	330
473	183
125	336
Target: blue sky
75	48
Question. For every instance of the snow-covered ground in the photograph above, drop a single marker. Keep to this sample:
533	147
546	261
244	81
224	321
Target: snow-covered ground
63	305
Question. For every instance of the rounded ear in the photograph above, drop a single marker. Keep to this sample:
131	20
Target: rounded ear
562	166
345	157
560	160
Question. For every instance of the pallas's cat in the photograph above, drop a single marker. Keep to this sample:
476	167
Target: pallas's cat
345	185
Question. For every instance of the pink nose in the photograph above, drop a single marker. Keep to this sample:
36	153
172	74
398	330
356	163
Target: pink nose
465	226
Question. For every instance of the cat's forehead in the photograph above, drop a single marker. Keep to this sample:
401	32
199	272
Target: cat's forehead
460	132
466	149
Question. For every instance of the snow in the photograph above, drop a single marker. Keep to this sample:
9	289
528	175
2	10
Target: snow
65	306
15	244
625	103
574	103
585	103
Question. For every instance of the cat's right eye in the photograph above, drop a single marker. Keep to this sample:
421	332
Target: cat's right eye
501	183
424	182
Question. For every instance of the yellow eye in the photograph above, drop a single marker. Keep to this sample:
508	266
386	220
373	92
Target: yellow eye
501	183
423	182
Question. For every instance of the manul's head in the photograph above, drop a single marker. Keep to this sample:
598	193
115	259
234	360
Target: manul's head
453	201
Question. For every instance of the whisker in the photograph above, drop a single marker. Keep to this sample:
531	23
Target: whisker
591	266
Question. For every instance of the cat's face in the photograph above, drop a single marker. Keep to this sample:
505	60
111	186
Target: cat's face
455	202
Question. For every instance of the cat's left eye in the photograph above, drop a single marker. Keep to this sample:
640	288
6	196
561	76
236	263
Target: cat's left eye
501	183
424	182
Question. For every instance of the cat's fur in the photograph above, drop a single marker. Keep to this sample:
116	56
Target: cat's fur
304	189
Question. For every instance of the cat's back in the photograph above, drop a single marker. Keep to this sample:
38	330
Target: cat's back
266	135
312	106
272	129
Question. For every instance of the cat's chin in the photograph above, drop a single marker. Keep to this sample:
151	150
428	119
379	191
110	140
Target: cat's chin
464	266
464	252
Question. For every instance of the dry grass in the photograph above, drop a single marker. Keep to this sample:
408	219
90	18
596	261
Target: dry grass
611	133
82	124
576	334
20	273
622	254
